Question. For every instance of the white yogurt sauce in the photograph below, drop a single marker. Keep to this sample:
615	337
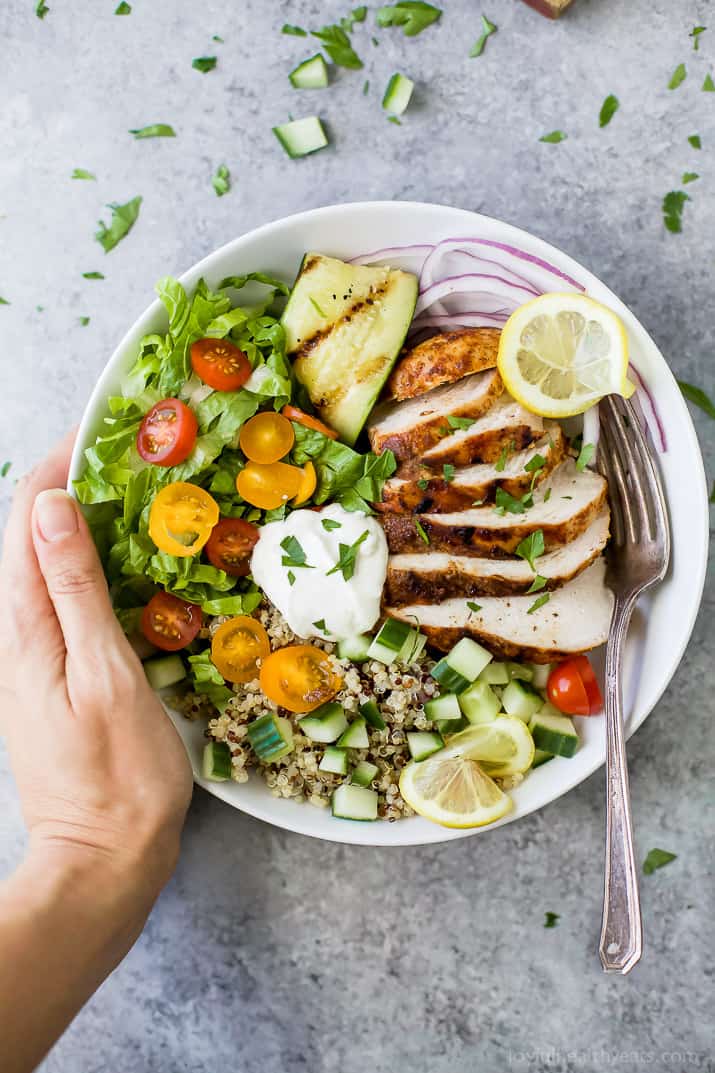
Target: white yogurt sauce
346	607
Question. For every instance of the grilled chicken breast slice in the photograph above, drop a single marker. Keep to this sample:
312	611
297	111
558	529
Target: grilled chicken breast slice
564	505
420	491
409	428
505	424
575	619
443	359
437	576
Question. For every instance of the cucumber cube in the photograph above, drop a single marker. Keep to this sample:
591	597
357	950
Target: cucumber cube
479	703
520	702
364	773
334	760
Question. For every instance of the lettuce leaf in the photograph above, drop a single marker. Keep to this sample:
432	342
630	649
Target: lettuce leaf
351	479
206	679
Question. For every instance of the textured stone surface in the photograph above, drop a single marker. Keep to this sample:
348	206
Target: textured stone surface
270	952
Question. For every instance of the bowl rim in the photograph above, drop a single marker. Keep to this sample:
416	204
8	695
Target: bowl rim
354	833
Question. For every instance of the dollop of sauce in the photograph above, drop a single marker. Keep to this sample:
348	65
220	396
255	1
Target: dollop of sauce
315	598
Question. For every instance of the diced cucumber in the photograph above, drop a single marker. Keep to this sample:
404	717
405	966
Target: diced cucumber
301	136
363	773
541	672
541	757
462	666
422	743
355	648
355	737
164	671
446	706
413	647
325	724
310	74
523	672
479	703
271	737
520	702
398	93
334	760
352	802
390	640
216	762
496	674
371	713
451	726
553	733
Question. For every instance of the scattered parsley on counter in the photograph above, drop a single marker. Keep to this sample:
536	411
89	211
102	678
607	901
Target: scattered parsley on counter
585	456
421	531
294	31
204	63
488	28
366	87
217	38
154	130
5	469
92	275
697	396
673	205
695	34
395	120
337	44
348	557
329	524
695	141
123	219
413	16
124	8
551	920
554	137
608	109
657	858
80	173
678	76
221	181
4	301
294	554
84	321
708	84
291	578
689	177
531	547
41	9
539	602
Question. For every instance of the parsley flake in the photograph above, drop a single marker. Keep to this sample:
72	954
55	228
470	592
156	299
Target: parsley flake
204	63
395	120
220	40
413	16
695	141
689	177
421	531
123	219
329	524
535	463
500	464
695	34
488	28
316	307
423	484
538	602
320	625
608	109
473	607
80	173
531	547
348	557
554	137
460	422
92	275
678	76
537	584
448	472
697	396
551	919
154	130
586	454
337	44
366	87
295	31
507	503
708	84
294	553
221	181
291	578
4	301
657	858
84	321
5	469
41	9
673	205
712	494
124	8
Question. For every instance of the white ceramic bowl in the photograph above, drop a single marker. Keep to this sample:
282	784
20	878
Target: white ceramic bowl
662	623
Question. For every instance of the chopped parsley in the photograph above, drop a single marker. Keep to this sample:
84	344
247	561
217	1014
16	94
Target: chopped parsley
84	321
657	858
41	9
358	14
316	307
473	607
366	87
5	469
348	557
460	422
551	920
585	456
695	34
291	578
80	173
154	130
538	602
395	120
608	109
413	16
708	84
295	31
217	38
678	76
535	463
421	531
509	504
500	464
123	219
695	141
423	484
337	44
488	28
689	177
531	547
124	8
204	63
4	301
673	205
448	472
554	137
537	584
712	494
294	553
92	275
697	396
329	524
320	625
221	181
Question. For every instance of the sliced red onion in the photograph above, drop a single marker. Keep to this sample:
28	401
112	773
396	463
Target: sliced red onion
522	259
449	321
451	249
390	253
487	287
592	428
650	412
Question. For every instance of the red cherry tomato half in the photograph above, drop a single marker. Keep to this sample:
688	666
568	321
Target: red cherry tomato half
220	364
168	433
573	689
230	545
170	623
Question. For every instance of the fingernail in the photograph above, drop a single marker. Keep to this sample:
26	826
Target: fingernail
55	515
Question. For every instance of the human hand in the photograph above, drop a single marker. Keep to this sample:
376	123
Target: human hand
100	770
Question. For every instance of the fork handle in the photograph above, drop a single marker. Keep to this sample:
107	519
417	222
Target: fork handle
621	943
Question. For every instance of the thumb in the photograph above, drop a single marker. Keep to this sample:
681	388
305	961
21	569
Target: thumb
73	573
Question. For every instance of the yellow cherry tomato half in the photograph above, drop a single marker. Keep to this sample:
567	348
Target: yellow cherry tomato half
266	438
307	484
299	678
181	518
237	646
268	487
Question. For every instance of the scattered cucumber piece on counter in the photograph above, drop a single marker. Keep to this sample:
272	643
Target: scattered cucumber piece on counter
353	802
496	674
325	724
541	674
270	736
462	666
443	708
355	648
398	93
371	714
364	773
355	737
301	136
422	743
390	640
541	757
164	671
334	760
553	733
344	354
479	703
523	672
520	702
447	727
311	74
216	765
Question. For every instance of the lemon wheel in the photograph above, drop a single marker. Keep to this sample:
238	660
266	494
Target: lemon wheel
453	791
502	747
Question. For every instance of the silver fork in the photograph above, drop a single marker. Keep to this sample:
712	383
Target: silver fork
639	555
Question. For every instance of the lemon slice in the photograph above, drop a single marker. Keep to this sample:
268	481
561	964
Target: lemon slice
561	353
502	747
453	791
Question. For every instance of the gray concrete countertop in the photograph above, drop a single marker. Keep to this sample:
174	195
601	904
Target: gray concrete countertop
269	952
